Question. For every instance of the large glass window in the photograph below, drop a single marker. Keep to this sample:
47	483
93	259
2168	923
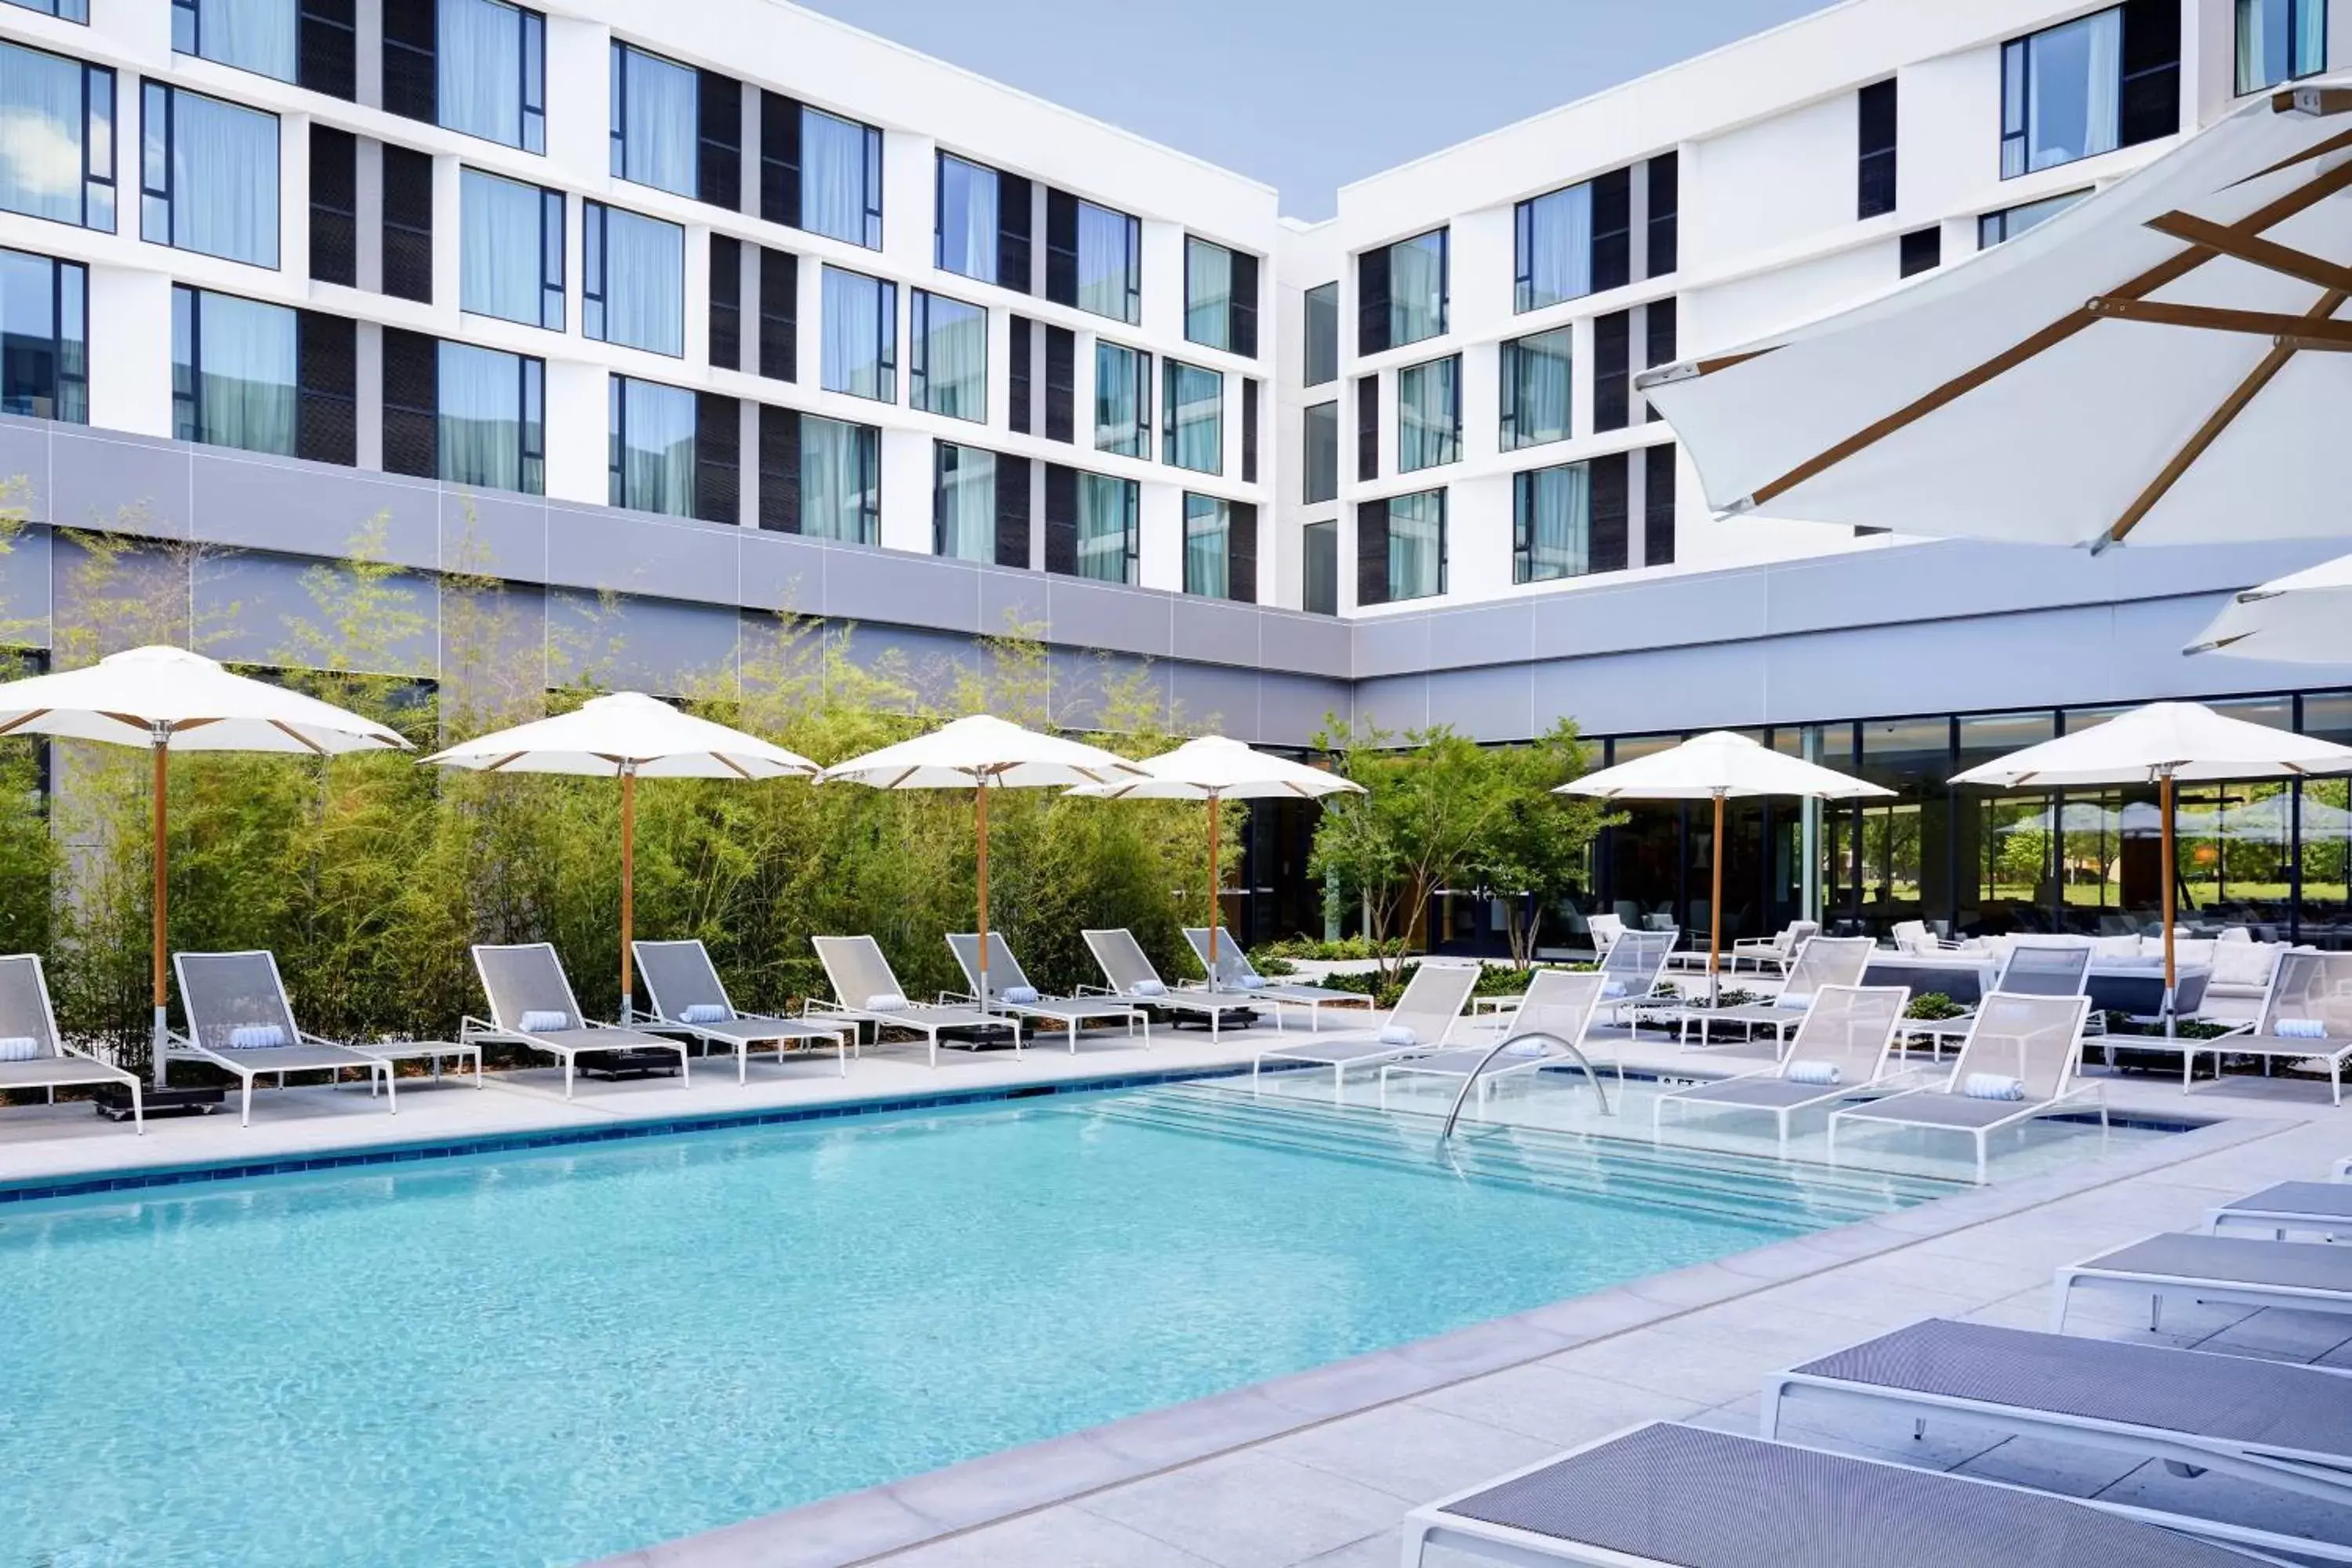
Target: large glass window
491	420
652	454
2004	841
491	60
1319	568
44	338
2061	93
64	10
1208	549
841	178
1429	414
2009	222
963	502
1122	400
1208	294
1322	477
949	343
209	180
968	220
1322	333
841	480
2279	40
1195	424
861	335
251	35
2324	835
1551	524
1417	289
1537	383
57	159
654	107
1107	510
632	280
1110	264
1417	545
1554	248
233	372
510	249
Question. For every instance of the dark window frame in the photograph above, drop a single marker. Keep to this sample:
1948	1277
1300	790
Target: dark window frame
169	93
595	287
1876	149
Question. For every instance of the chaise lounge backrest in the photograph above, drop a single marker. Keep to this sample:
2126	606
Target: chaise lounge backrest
24	1011
1852	1029
1634	961
2045	969
1433	998
1827	961
1122	960
679	975
1561	1002
2037	1040
1234	969
525	978
1004	972
223	992
855	969
2313	986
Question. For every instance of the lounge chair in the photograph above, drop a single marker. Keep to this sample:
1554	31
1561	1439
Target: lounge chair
2018	1063
1235	972
2308	1015
1633	971
1131	978
2031	969
1010	991
2270	1423
1844	1047
865	989
1780	951
2320	1208
2230	1269
1417	1025
1604	930
532	1005
1822	961
239	1020
687	995
1560	1003
1668	1496
37	1057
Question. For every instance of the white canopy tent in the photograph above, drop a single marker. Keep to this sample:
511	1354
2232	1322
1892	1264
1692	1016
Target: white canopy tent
2304	617
170	700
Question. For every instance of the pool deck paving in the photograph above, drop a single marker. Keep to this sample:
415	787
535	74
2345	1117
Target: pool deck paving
1317	1470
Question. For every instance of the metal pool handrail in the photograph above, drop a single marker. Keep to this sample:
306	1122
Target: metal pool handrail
1455	1114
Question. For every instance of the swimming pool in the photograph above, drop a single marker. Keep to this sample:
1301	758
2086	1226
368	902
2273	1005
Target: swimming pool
547	1357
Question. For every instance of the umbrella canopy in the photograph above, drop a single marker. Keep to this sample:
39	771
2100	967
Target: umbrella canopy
1718	766
2136	367
170	700
2300	618
627	735
1216	769
982	754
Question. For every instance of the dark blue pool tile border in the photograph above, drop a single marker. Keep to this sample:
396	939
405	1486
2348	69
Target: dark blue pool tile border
43	1188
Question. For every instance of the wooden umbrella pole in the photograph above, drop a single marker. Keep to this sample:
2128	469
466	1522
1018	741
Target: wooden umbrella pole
980	814
1213	890
1715	906
628	882
163	785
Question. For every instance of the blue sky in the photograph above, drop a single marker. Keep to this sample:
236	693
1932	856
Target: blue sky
1307	95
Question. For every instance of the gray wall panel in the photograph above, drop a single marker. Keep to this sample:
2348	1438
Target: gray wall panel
1107	616
1389	645
1493	704
1310	645
1396	702
100	479
1214	699
926	669
1085	681
311	509
901	589
25	589
1292	708
629	552
284	609
650	645
1655	690
1213	631
494	664
490	533
1010	598
25	465
779	572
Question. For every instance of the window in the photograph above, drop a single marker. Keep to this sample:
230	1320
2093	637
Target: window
652	451
656	121
233	372
1429	414
1321	480
841	480
1194	424
1094	258
251	35
1665	214
2086	86
209	180
57	159
861	335
968	219
1554	247
44	338
632	280
2279	40
1206	561
1107	528
1400	292
820	172
1220	298
1537	389
490	419
1874	165
947	340
963	502
1922	250
491	70
1551	520
1122	401
1318	586
64	10
2011	222
1416	546
1612	347
1322	334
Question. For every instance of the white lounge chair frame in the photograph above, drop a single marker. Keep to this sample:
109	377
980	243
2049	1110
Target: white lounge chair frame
2032	968
1124	965
1780	950
25	1010
1822	961
1561	1003
1431	1007
1235	972
207	1038
1852	1027
854	961
566	1046
739	1033
2328	1218
2306	1275
1005	974
2313	985
1636	960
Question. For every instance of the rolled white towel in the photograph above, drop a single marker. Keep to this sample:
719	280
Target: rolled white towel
886	1002
255	1037
1796	1004
1822	1073
705	1013
1524	1048
1397	1034
1148	988
543	1020
2300	1028
1249	982
1991	1086
1019	995
19	1048
1612	990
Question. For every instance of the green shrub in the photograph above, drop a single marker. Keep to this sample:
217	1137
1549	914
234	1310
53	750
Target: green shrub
1929	1006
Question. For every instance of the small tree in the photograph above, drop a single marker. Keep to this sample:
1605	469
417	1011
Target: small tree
1536	846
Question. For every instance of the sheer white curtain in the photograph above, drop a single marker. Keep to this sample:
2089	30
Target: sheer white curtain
2103	94
1208	293
1539	389
1120	382
1417	289
252	35
955	357
1555	238
838	464
1207	557
1416	545
1555	523
40	135
1428	426
657	122
967	503
860	329
480	433
224	179
658	449
2073	96
645	282
1195	418
1107	262
244	374
1105	527
480	69
498	247
834	197
967	222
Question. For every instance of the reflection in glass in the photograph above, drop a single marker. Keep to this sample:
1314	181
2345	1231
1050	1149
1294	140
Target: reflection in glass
967	221
2061	93
44	355
1106	527
1417	288
963	502
652	465
1208	562
233	372
1122	401
841	480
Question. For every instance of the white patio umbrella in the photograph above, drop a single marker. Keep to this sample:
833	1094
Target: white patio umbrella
2300	618
628	736
170	700
1718	766
2139	366
2162	744
1215	769
982	754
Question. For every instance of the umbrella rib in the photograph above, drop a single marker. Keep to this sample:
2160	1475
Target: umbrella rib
502	762
2310	329
290	733
24	717
728	764
2252	250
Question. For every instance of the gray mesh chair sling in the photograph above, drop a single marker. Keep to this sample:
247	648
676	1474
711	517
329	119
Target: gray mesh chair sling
1844	1047
1633	969
532	1005
1780	950
2270	1423
1561	1003
1417	1025
684	989
37	1057
2031	969
2316	1209
238	1019
1010	991
2019	1063
1822	961
2234	1271
1235	972
865	989
2307	1015
1666	1495
1129	975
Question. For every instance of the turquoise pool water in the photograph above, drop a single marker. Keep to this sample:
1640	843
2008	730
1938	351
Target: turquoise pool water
542	1359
